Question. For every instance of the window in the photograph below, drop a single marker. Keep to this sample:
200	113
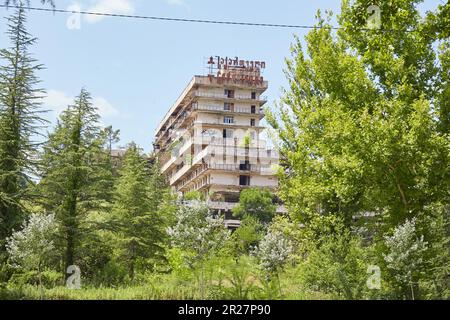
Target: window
252	122
228	106
253	109
244	166
254	95
229	93
244	180
228	120
227	133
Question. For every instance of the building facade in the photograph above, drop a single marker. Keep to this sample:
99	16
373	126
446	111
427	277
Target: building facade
210	140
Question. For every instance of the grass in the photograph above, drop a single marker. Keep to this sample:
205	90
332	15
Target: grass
128	293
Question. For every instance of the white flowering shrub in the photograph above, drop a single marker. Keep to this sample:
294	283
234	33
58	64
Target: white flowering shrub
31	247
273	251
405	253
197	230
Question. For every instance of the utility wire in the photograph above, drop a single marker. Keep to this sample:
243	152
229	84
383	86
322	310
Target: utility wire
217	22
271	25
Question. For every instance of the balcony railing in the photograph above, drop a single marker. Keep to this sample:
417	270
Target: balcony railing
233	97
248	168
231	110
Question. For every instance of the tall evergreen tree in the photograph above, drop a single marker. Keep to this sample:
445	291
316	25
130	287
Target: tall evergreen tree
20	121
136	211
75	177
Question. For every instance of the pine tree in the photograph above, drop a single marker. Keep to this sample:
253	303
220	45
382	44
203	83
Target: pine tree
20	121
75	179
136	217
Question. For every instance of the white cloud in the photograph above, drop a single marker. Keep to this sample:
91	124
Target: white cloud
110	7
179	3
175	2
105	109
57	101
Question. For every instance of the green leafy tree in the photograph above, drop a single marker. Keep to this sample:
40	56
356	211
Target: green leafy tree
245	238
337	264
359	128
74	177
257	203
136	218
20	121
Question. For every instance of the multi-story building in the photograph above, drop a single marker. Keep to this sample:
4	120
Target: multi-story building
210	140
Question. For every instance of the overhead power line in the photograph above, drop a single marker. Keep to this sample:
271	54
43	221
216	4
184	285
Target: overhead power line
102	14
217	22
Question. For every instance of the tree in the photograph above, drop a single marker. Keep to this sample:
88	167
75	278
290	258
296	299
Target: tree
272	253
245	238
336	266
33	246
358	129
136	218
20	121
74	179
199	233
257	203
405	256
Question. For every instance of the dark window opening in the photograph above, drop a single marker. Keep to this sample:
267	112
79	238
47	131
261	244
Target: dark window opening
244	180
229	93
245	166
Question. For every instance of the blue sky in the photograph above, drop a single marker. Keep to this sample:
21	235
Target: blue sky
136	69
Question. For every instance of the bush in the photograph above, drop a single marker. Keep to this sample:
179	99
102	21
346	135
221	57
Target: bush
337	268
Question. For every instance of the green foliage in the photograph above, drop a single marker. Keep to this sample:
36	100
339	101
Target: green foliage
31	248
193	196
20	121
197	230
256	203
245	238
338	268
363	131
135	217
404	257
358	130
273	251
75	174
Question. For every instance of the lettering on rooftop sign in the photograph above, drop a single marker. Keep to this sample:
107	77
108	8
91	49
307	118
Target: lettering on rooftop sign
225	63
236	70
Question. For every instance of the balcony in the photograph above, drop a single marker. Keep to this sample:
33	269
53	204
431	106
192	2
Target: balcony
241	168
226	124
246	111
247	97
